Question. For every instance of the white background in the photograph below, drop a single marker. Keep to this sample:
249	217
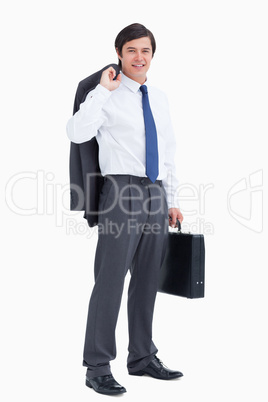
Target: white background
211	60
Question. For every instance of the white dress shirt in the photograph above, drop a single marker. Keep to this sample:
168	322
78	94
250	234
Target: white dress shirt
116	119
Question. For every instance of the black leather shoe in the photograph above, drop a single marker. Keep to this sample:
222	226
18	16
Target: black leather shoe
105	384
157	370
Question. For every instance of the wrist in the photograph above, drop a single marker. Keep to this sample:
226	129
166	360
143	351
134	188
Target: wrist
103	90
105	86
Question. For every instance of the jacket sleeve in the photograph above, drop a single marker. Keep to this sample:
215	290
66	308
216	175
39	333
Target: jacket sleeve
84	124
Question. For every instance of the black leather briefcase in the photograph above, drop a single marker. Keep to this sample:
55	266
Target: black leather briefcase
183	270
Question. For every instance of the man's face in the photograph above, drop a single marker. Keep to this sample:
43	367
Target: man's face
136	59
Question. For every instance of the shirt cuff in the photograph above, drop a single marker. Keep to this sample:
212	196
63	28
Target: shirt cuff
173	203
171	184
101	92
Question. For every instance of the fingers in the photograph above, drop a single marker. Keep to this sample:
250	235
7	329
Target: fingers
172	220
108	74
111	72
107	79
174	214
112	75
119	78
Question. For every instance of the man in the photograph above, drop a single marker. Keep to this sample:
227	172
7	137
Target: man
132	126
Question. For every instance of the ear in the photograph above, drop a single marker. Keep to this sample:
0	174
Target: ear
118	54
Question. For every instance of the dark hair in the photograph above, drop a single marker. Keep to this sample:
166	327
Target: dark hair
131	32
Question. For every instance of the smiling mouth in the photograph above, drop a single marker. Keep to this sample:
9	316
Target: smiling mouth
138	65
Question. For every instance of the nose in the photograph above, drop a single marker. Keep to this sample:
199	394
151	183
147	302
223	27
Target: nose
138	56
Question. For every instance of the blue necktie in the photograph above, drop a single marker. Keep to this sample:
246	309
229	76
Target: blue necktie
151	137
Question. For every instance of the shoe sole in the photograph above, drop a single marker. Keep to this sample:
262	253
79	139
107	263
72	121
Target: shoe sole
141	373
105	393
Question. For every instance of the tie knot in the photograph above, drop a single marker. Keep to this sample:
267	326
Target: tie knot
143	89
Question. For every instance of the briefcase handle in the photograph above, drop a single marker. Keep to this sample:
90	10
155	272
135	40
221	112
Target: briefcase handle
179	225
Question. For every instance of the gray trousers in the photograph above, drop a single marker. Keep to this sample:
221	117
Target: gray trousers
132	230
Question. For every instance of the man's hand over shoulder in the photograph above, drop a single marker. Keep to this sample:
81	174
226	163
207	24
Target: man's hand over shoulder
107	79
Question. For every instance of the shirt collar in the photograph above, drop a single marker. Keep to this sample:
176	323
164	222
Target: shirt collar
134	86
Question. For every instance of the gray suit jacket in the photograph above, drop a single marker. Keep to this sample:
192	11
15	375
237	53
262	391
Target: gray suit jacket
85	176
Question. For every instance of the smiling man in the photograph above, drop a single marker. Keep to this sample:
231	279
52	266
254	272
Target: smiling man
136	56
131	123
